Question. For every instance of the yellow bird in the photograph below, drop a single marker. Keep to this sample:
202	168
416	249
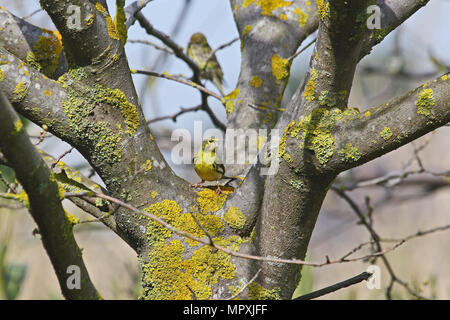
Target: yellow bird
200	52
206	166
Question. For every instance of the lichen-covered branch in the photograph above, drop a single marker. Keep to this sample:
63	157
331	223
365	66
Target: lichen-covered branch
33	95
44	199
270	33
40	48
362	137
294	195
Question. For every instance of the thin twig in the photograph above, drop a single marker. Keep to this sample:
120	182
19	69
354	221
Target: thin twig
205	93
419	233
340	285
177	50
223	46
60	157
377	243
225	250
246	285
32	14
264	108
303	49
149	43
211	242
180	80
174	116
194	296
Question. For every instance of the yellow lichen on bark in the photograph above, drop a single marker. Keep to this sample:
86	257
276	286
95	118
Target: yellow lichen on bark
280	68
267	6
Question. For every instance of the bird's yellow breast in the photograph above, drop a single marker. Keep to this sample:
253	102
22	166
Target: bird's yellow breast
205	166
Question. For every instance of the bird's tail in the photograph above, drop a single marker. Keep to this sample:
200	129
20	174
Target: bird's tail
218	83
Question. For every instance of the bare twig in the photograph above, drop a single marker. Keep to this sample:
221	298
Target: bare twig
377	243
174	116
149	43
223	46
340	285
32	14
205	93
180	80
177	50
225	250
211	242
302	50
60	157
418	234
246	285
264	108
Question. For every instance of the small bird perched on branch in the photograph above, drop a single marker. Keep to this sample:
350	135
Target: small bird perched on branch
200	52
206	166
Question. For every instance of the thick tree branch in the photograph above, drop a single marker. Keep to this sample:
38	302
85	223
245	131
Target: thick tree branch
104	145
391	125
268	38
45	203
27	42
81	37
34	96
296	191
